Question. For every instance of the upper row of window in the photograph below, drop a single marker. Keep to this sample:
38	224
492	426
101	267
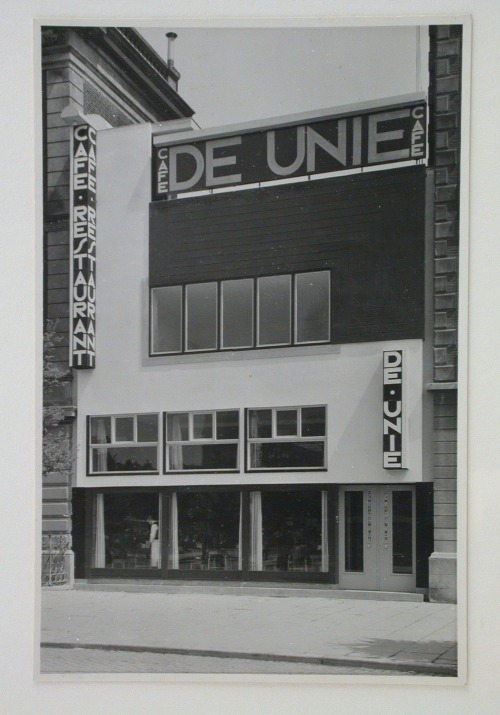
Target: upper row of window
241	313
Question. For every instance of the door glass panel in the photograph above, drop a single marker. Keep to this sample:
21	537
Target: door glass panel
354	531
402	532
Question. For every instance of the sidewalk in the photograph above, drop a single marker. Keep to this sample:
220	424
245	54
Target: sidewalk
401	636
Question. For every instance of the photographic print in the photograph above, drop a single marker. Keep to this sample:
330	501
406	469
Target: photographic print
251	398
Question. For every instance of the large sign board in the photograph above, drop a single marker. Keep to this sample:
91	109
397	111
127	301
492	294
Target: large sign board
394	423
333	143
83	239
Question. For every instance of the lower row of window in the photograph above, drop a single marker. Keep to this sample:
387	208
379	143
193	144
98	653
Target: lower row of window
204	531
276	438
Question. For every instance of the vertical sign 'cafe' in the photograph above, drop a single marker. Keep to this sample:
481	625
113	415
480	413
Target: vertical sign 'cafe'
83	238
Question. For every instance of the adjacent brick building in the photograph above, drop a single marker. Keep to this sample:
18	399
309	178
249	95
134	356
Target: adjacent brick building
445	64
106	77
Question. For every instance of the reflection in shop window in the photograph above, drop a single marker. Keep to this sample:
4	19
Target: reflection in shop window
289	531
205	531
123	443
126	531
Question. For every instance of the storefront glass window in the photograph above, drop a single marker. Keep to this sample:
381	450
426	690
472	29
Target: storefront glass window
126	531
123	443
289	531
208	531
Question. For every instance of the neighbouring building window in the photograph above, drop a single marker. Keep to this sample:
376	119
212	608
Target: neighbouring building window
205	531
289	531
123	444
286	438
245	313
126	533
203	441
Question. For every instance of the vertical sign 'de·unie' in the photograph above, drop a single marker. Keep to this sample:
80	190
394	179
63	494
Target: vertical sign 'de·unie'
394	456
83	236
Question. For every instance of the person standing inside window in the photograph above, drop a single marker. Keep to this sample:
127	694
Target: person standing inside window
154	543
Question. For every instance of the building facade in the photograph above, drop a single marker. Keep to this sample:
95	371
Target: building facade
104	77
264	342
257	407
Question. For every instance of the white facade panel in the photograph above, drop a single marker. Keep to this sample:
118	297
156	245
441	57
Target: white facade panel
348	379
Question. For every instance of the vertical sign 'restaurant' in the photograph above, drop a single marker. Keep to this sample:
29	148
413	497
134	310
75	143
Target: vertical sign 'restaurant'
393	410
83	237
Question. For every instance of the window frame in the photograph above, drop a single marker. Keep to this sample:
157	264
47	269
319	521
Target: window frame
185	306
193	441
219	326
280	439
291	321
296	313
222	347
155	353
123	444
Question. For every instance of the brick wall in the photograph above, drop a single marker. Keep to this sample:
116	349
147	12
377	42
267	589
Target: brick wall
444	140
444	100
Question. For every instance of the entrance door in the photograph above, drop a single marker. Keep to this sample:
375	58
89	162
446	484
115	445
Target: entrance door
377	537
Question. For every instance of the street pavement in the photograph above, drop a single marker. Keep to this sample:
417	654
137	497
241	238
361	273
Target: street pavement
90	660
398	636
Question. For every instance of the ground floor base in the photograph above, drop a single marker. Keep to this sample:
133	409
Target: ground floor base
362	537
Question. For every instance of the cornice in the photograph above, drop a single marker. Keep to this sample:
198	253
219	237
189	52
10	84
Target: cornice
131	56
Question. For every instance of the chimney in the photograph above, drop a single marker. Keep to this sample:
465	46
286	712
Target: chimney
172	75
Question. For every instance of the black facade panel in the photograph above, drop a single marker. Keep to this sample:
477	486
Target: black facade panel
367	228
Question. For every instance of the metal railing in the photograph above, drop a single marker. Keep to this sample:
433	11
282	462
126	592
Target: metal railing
54	547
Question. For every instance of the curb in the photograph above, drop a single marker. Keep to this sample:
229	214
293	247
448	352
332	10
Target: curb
375	664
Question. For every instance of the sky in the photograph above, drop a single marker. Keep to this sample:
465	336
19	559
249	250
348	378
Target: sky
233	75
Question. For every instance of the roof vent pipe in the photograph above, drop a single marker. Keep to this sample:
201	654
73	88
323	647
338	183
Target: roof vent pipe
170	56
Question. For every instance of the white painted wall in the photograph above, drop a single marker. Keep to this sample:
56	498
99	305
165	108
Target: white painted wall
347	378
